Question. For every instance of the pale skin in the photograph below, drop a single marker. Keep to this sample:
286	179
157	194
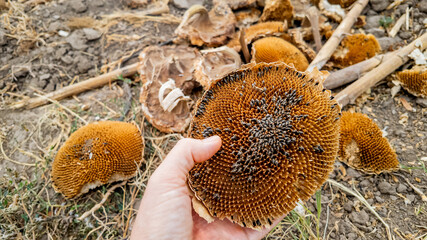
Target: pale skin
166	211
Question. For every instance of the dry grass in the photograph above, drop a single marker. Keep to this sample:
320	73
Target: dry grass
21	27
30	209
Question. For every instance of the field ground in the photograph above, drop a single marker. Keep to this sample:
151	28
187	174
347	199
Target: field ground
35	59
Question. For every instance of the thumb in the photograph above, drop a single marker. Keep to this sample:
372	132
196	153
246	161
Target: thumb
187	151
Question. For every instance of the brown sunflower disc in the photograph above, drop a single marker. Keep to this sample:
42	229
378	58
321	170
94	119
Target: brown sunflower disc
280	134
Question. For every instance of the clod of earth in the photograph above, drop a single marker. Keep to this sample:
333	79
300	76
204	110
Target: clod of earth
215	63
273	49
168	82
96	154
280	133
363	147
212	29
414	80
356	48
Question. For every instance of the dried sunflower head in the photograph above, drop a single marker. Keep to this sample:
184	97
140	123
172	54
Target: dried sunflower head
363	147
280	134
96	154
356	48
414	80
273	49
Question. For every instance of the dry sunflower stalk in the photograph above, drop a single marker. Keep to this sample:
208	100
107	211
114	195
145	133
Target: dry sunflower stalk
96	154
280	133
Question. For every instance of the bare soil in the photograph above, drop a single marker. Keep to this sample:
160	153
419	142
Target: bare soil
41	50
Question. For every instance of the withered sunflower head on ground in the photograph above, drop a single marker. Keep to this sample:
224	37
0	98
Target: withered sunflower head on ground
280	134
96	154
363	147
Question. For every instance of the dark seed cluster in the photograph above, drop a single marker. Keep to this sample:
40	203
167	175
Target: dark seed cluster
280	139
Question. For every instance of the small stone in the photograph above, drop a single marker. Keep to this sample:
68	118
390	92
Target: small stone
44	76
83	64
377	32
370	201
78	6
379	5
379	199
365	183
410	197
91	34
372	22
422	6
422	102
401	188
21	73
359	217
67	59
3	40
348	206
77	40
405	35
56	26
353	173
400	133
352	236
385	187
387	42
393	198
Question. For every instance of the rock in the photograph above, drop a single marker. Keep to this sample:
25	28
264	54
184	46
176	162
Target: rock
83	64
379	5
67	59
348	206
45	76
60	53
400	133
393	198
3	39
372	22
370	201
77	40
353	173
385	187
91	34
352	236
22	72
365	183
186	3
401	188
422	6
410	197
405	34
377	32
359	217
379	199
387	42
78	6
422	102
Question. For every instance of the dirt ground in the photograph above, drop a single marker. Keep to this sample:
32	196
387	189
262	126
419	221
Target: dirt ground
42	49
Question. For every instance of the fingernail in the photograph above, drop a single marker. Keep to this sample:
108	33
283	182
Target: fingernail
211	139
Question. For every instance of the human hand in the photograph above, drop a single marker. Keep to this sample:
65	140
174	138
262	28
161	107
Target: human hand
166	212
